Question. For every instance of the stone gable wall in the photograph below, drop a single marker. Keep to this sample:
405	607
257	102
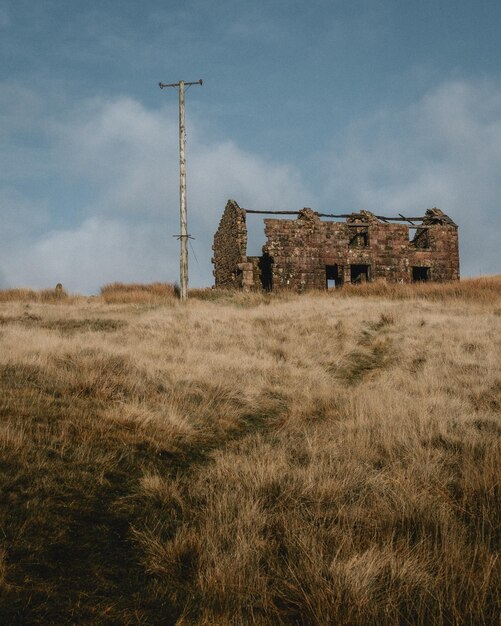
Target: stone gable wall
230	247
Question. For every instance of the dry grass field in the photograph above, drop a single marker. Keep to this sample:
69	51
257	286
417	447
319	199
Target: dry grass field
244	459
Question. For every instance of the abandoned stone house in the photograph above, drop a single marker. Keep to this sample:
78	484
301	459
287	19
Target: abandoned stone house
314	253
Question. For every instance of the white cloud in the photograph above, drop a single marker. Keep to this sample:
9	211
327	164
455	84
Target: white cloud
128	155
444	151
97	252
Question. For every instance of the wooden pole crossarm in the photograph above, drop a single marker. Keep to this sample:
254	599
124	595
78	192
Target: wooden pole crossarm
164	85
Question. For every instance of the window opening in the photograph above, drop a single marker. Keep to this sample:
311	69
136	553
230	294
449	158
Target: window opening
420	274
360	273
421	238
360	238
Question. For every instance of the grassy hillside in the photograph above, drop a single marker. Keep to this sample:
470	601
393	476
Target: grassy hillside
246	459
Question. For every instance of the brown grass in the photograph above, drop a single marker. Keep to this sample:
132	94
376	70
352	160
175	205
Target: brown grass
485	288
137	293
30	295
247	459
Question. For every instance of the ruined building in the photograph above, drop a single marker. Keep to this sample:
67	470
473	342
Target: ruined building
311	253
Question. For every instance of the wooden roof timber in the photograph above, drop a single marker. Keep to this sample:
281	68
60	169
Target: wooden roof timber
341	216
366	224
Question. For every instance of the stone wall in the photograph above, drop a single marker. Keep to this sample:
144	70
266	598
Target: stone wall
230	248
307	253
440	251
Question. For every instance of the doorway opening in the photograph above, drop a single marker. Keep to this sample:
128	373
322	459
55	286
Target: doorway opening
333	278
266	267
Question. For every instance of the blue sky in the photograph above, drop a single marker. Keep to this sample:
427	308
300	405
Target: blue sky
392	106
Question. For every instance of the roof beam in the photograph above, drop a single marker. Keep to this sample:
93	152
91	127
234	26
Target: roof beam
402	218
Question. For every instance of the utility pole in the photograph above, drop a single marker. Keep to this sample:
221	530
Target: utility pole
183	265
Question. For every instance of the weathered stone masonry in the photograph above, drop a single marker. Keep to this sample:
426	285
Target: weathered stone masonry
230	246
308	253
